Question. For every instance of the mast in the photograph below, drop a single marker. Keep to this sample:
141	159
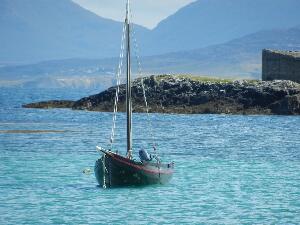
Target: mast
128	86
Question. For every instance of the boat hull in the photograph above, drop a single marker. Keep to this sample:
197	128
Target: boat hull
121	171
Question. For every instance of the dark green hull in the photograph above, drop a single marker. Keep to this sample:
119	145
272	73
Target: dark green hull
122	172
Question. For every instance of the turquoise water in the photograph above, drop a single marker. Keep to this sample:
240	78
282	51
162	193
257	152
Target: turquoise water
229	169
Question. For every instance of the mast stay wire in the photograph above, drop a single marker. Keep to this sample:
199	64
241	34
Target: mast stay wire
118	80
139	65
118	74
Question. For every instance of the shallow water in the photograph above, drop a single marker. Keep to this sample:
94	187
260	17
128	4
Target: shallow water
229	169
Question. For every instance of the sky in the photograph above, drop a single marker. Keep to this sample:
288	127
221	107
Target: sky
145	12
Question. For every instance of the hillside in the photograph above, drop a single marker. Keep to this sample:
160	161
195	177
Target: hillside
38	30
211	22
239	58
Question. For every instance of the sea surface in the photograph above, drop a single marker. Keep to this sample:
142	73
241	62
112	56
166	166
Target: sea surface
228	169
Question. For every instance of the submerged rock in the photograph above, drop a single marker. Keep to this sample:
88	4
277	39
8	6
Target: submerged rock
174	94
50	104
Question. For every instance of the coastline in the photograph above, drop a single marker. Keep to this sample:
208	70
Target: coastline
194	95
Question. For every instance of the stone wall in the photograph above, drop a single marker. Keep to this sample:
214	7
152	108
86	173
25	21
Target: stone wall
281	65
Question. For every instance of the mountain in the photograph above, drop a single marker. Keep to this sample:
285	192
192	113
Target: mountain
37	30
238	58
210	22
41	30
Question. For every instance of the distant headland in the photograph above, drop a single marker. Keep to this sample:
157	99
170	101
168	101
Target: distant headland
195	95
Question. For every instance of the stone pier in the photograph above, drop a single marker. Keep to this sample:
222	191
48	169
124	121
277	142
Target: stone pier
281	65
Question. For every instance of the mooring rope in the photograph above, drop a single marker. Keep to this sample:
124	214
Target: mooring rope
104	171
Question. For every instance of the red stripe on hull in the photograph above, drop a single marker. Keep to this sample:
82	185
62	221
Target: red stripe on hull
121	171
161	171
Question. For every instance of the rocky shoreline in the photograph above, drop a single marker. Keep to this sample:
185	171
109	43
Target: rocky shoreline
192	95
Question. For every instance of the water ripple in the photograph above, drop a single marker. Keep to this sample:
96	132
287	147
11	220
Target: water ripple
229	169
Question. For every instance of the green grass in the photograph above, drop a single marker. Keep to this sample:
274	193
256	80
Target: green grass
204	79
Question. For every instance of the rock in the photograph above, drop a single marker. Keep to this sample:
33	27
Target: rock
50	104
174	94
289	105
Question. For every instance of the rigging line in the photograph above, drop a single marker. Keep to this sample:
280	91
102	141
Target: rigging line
116	100
136	51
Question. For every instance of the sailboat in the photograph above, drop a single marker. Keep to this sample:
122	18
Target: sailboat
113	169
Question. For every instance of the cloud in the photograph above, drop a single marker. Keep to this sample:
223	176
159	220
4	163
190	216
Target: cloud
146	12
